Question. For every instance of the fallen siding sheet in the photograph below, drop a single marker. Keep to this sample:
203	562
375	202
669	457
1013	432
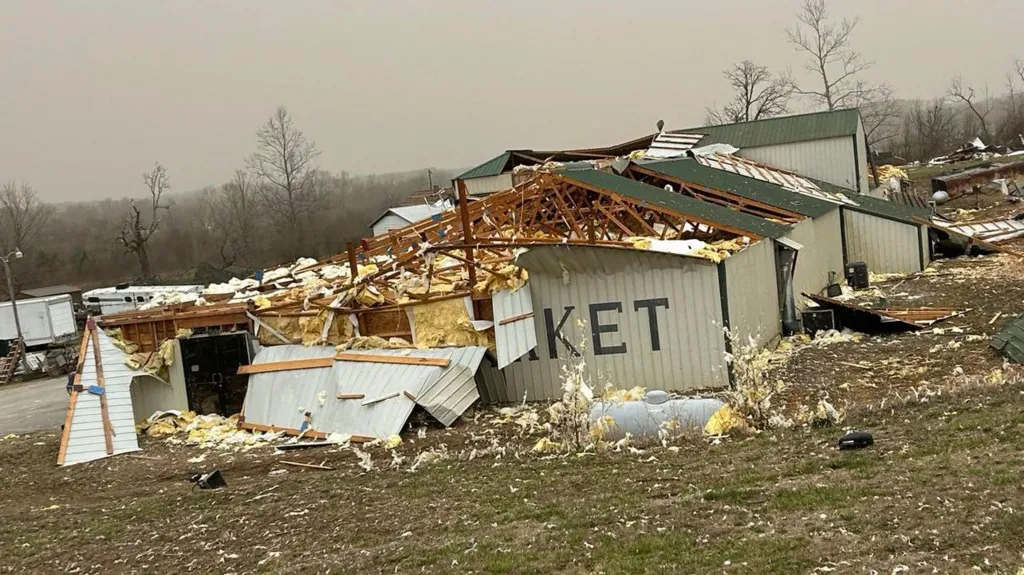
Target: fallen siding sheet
376	398
882	320
993	231
85	439
515	330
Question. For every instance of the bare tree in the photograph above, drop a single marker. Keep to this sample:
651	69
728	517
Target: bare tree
22	216
22	219
929	129
136	233
757	94
1013	124
285	174
835	65
980	108
234	211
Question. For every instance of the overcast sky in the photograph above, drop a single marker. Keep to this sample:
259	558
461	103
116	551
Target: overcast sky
93	92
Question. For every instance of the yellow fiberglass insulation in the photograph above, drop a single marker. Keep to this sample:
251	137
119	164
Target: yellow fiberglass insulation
446	323
313	329
516	278
286	326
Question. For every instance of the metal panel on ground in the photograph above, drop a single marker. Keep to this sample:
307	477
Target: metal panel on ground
651	319
752	285
515	332
85	436
885	245
281	398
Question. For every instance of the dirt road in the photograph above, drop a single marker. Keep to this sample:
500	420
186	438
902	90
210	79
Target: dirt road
33	405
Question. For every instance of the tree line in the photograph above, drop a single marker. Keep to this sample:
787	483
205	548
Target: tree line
834	78
278	206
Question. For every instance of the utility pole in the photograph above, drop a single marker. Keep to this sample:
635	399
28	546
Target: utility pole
14	304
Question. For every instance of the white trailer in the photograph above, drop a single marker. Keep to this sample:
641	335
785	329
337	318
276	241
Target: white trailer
43	320
110	300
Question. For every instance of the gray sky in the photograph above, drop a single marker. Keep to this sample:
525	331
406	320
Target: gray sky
93	92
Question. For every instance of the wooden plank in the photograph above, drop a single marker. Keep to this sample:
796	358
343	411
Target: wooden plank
66	432
399	359
514	318
307	465
409	395
381	398
292	365
293	431
351	395
108	428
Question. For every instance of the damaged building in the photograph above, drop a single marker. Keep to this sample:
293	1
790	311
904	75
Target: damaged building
647	262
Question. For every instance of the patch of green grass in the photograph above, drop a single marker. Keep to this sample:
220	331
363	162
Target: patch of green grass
814	497
733	495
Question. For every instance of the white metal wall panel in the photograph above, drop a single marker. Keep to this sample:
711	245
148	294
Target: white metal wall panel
513	340
753	290
886	245
623	289
62	317
822	238
389	222
831	160
488	185
34	318
281	398
86	440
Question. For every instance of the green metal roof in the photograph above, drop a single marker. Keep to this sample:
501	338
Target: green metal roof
677	202
781	130
691	171
885	208
491	167
1010	340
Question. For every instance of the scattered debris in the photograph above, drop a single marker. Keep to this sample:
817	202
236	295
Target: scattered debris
856	440
1010	340
212	480
307	465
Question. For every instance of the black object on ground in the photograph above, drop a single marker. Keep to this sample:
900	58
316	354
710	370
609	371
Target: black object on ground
856	440
212	480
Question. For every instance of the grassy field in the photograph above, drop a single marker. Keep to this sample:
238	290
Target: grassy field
939	490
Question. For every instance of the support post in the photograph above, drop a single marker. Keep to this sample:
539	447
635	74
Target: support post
467	232
352	265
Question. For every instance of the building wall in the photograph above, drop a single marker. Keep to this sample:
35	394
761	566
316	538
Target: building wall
822	239
621	290
752	286
488	185
389	222
886	245
926	249
831	160
150	394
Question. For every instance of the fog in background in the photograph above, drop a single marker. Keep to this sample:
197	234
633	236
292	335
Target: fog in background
94	92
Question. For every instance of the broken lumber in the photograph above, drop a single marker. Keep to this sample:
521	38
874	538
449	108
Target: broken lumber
291	365
307	465
399	359
351	395
514	318
381	398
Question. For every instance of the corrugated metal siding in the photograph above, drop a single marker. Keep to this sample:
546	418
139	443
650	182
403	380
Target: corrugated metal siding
86	440
513	339
886	246
783	129
690	342
822	238
491	167
830	160
752	286
282	398
389	222
489	184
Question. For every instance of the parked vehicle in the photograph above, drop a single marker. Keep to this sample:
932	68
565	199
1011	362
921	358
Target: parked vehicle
44	321
122	298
